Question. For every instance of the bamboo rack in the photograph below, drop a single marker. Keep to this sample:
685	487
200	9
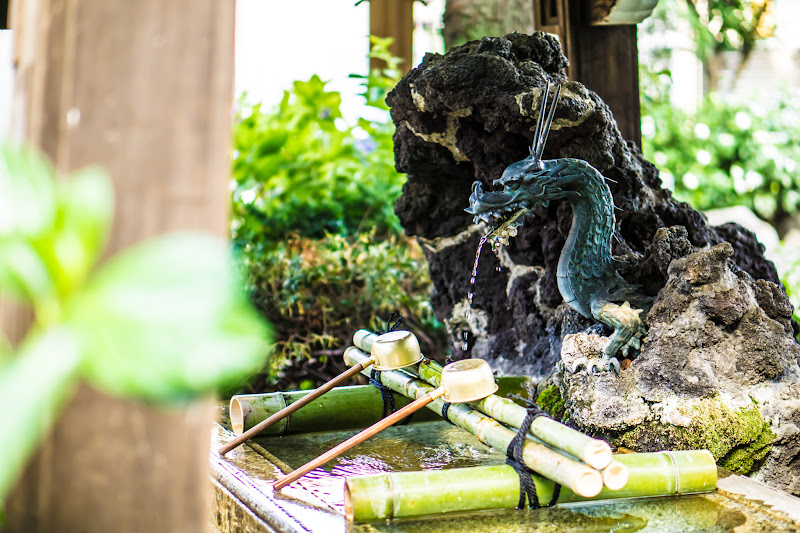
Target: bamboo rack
568	472
350	407
595	453
406	494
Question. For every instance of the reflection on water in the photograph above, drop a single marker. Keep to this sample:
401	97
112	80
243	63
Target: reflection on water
422	446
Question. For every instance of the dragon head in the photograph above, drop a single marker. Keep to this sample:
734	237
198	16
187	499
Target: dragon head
525	184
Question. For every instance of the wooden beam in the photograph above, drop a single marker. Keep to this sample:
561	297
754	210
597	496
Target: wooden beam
143	89
604	58
393	18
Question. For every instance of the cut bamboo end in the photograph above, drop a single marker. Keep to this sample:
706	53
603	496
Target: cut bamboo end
597	454
588	484
349	513
615	475
363	339
236	412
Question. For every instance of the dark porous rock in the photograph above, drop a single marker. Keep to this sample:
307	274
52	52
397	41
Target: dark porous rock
718	364
465	116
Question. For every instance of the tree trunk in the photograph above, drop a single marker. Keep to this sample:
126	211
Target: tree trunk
466	20
143	89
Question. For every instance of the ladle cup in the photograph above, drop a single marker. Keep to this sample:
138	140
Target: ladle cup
463	381
390	351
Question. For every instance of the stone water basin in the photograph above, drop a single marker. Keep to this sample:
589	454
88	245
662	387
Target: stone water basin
245	501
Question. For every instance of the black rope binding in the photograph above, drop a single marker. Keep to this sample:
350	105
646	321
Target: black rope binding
398	320
527	488
375	375
386	392
386	397
445	410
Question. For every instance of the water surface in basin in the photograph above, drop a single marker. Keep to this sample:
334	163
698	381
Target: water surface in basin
421	446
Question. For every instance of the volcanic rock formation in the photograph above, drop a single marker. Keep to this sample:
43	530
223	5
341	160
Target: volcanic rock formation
465	116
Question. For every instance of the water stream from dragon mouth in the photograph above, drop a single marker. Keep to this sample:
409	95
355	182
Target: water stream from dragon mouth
472	279
502	230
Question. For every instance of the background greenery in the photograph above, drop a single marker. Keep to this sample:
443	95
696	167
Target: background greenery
313	219
728	151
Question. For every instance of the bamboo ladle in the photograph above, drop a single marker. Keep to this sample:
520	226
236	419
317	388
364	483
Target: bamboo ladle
463	381
390	351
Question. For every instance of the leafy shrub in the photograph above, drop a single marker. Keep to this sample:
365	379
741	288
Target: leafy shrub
726	153
301	168
313	220
317	293
787	262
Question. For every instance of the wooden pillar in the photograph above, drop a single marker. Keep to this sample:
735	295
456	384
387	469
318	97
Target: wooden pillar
144	89
603	57
393	18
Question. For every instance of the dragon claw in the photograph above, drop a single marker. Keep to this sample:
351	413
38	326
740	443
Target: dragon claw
604	365
595	366
579	362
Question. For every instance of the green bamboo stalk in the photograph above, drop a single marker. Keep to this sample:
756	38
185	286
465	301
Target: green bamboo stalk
538	457
593	452
406	494
351	407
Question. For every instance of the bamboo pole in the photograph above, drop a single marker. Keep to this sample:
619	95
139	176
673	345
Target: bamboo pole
405	494
356	406
538	457
462	381
615	475
392	350
595	453
258	428
359	438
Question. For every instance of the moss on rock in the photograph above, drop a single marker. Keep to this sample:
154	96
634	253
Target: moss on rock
737	438
551	401
743	459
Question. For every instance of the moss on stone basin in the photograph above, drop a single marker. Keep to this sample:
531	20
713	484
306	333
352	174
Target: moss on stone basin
738	438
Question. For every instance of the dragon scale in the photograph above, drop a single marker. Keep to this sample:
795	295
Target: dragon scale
587	251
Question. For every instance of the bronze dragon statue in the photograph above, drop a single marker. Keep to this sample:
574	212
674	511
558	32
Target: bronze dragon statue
587	272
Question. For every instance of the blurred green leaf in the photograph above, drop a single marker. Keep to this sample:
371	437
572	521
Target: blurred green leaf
167	320
27	195
33	386
86	204
23	273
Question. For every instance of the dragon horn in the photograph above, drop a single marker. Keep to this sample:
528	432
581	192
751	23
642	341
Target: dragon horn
546	129
537	133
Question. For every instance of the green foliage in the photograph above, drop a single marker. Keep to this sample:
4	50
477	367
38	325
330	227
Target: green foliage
313	218
162	322
728	25
725	153
787	262
301	168
380	81
319	292
716	27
